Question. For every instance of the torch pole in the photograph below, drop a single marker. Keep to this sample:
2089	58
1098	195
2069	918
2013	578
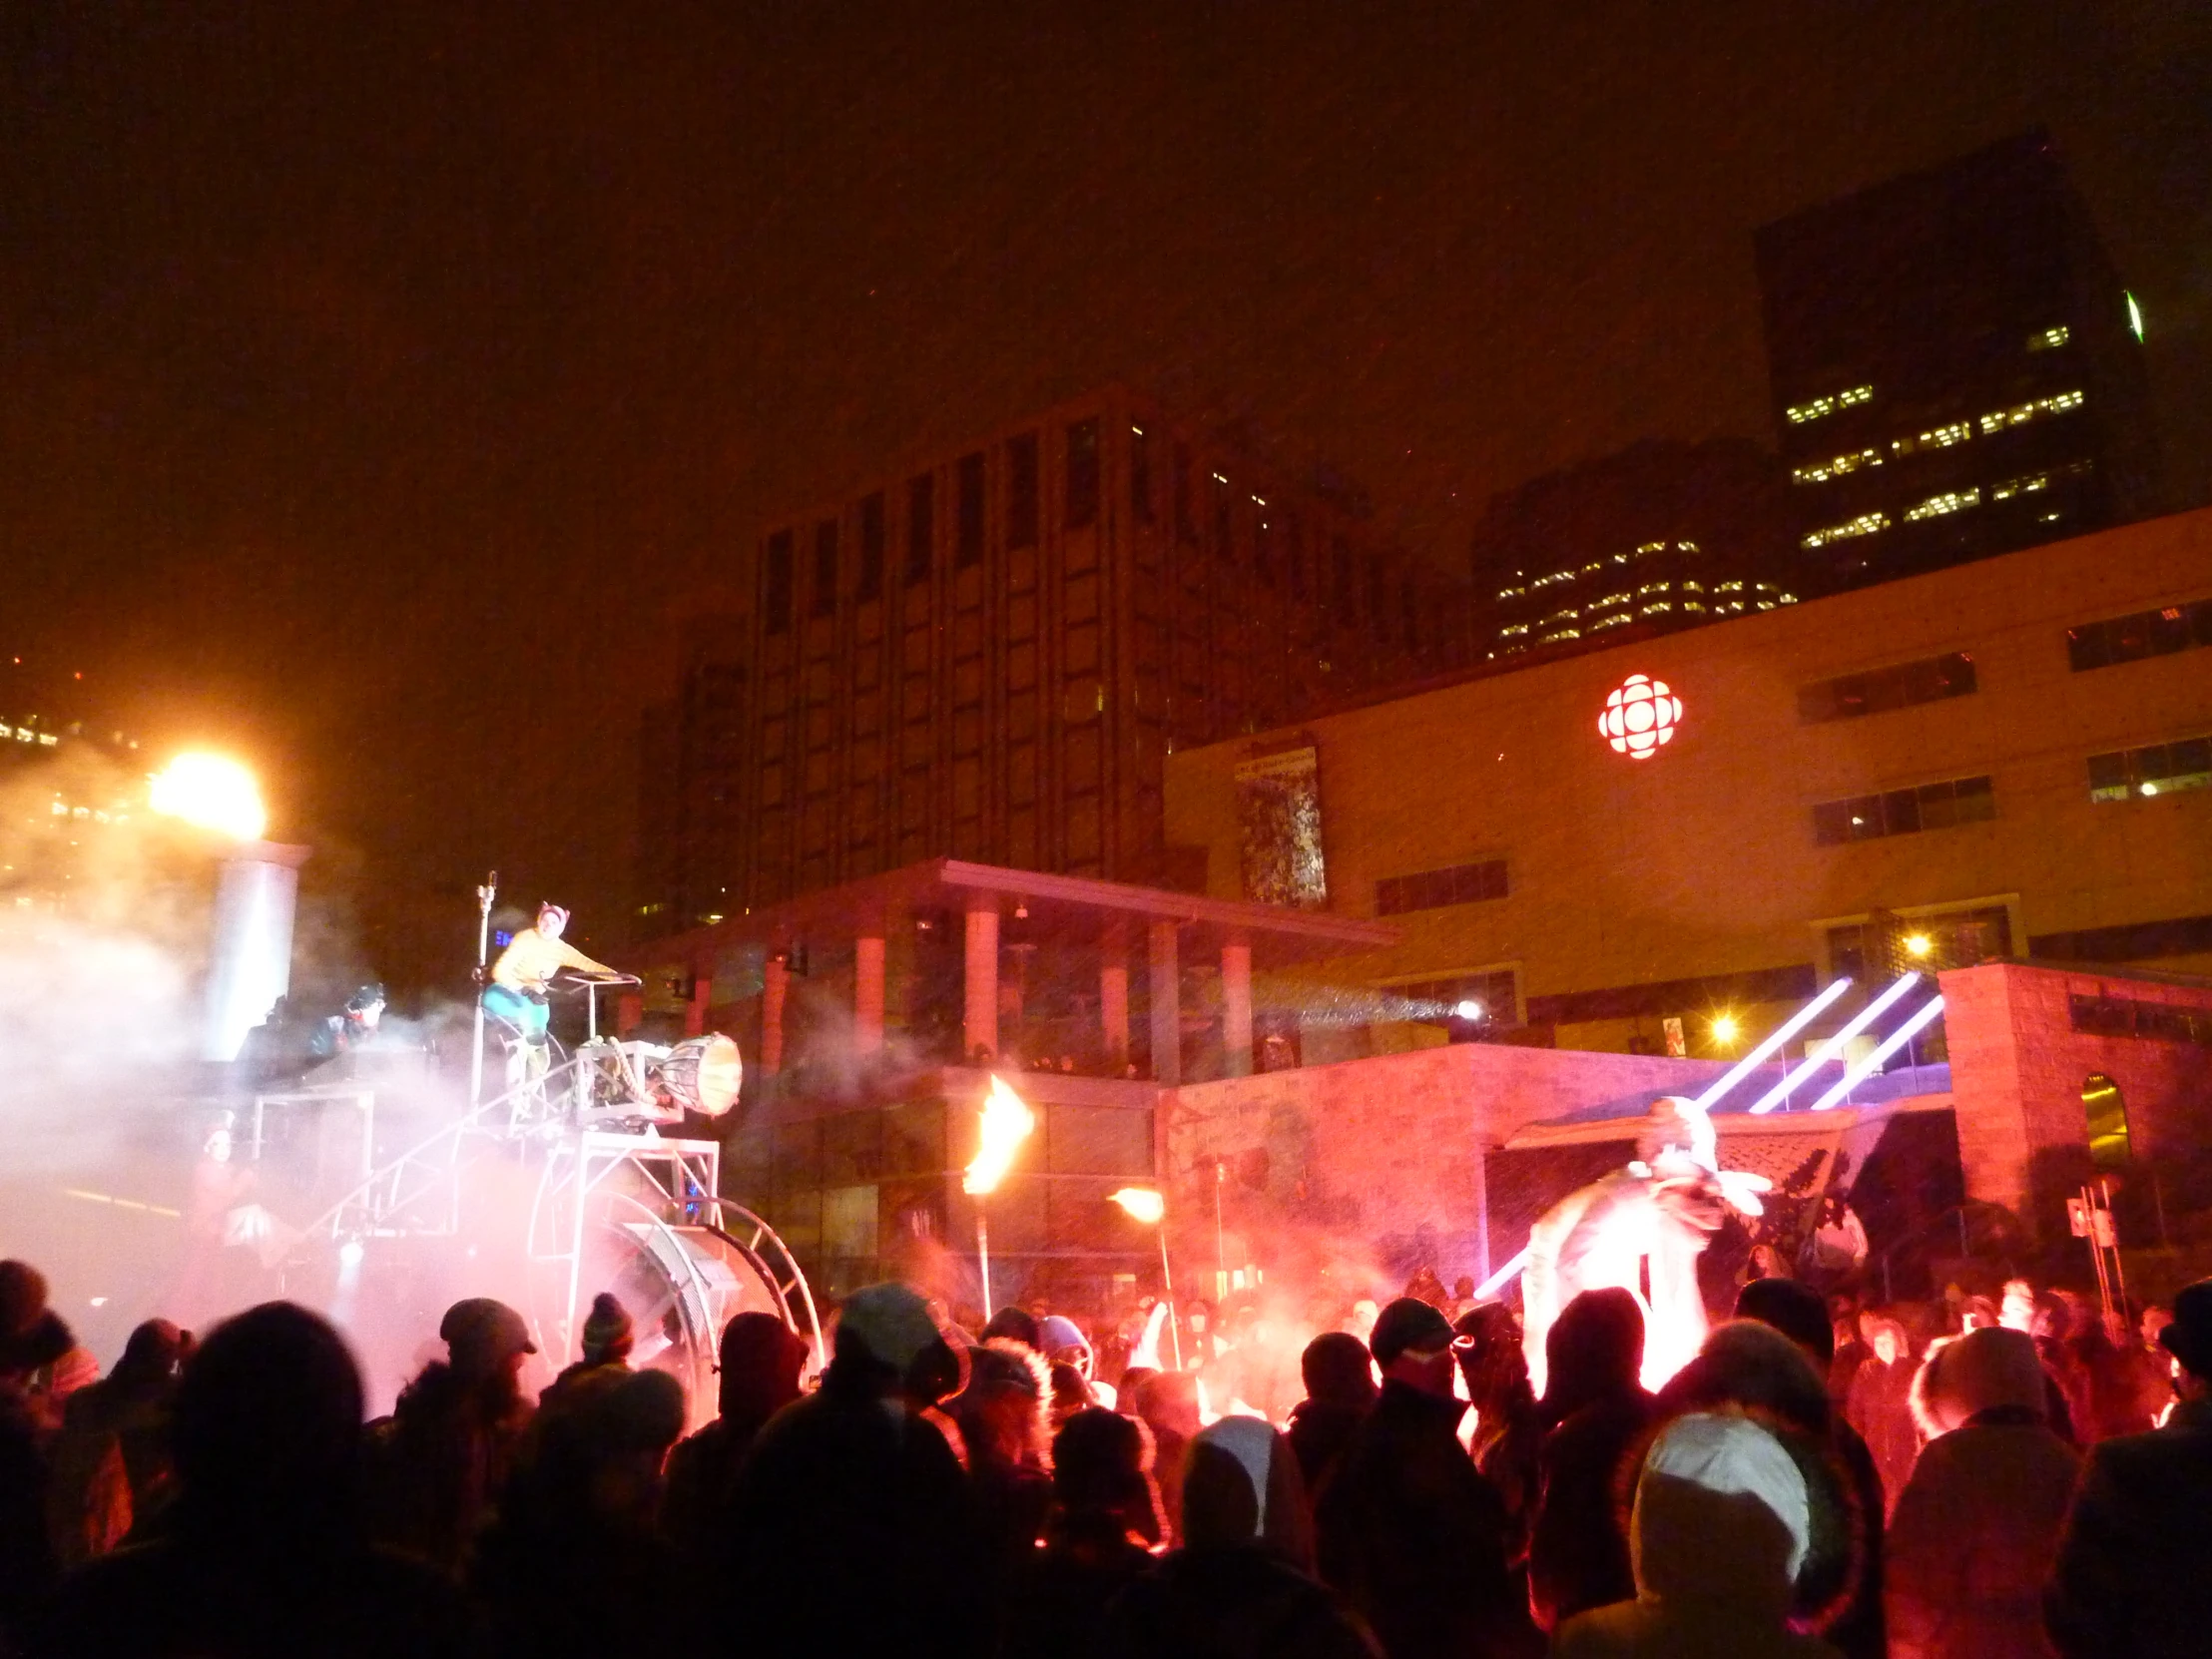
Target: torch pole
984	1259
483	950
1167	1289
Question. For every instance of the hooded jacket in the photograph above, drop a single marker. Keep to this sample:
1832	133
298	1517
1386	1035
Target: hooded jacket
1975	1528
1722	1527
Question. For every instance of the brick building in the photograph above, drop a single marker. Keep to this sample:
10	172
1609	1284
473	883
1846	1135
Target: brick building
989	655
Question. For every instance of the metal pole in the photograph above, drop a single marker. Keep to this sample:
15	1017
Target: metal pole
483	952
1221	1250
1167	1289
2120	1272
984	1259
2159	1199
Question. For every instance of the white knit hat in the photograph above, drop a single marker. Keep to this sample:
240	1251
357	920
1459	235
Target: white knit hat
1730	1454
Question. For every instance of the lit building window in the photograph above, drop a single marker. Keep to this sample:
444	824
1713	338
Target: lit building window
1609	599
1656	605
1865	524
1610	622
1855	396
2035	408
1940	437
1898	687
1822	471
1654	587
2156	769
2129	639
1950	501
1515	628
2049	338
1941	806
1729	587
1561	633
1692	605
2029	484
1693	587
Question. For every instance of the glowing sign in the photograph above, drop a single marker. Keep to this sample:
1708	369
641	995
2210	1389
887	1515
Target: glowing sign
1640	715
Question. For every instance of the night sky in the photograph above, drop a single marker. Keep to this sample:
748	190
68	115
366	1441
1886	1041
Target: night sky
380	383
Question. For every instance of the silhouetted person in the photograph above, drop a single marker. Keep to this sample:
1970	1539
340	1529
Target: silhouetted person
2134	1573
1104	1512
852	1505
1722	1523
1405	1530
1005	1417
606	1342
438	1464
1167	1403
28	1568
1018	1325
40	1357
111	1467
1509	1431
1801	1313
1598	1411
1339	1392
760	1359
264	1550
1977	1527
573	1563
1239	1586
1748	1365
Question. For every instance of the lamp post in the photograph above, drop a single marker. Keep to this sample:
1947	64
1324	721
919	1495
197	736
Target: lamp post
484	895
1144	1204
1006	1122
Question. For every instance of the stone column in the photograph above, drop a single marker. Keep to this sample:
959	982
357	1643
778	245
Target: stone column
1113	1002
1236	1009
867	993
981	1028
775	980
1167	1006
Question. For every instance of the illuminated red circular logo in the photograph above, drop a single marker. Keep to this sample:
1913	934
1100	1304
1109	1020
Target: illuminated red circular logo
1640	715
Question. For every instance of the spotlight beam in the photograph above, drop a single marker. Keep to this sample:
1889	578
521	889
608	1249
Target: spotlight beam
1782	1034
1890	1045
1834	1046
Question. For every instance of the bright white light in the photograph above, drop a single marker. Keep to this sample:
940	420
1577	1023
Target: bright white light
212	791
1896	1039
1917	944
2135	317
1774	1040
1834	1046
350	1252
1142	1204
1468	1008
1724	1029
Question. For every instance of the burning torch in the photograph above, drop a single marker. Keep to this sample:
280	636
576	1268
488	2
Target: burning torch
1144	1204
1007	1121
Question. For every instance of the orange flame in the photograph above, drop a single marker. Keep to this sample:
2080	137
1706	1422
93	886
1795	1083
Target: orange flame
1007	1121
1142	1204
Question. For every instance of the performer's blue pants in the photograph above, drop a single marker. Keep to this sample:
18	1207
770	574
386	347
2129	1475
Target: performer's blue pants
526	1014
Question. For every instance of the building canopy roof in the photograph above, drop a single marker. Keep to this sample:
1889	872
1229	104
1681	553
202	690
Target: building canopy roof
1075	909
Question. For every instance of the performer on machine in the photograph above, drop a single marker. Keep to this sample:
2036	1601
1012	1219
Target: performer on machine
516	996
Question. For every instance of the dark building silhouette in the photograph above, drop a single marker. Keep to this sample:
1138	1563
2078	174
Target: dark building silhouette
989	655
1956	367
1662	535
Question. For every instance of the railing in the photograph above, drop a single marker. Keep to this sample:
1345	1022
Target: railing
368	1207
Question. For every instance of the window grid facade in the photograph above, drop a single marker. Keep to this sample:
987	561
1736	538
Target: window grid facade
1432	890
1883	689
2130	639
1866	817
2155	769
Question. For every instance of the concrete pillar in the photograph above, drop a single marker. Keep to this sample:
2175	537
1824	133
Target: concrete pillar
867	993
249	964
1113	1006
1236	1009
1167	1006
980	1030
776	984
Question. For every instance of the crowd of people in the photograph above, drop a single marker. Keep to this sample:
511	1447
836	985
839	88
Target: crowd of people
2016	1477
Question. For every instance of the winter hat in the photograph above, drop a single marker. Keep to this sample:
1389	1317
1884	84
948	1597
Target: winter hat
888	1323
1980	1372
1716	1493
1241	1484
1408	1325
480	1333
1749	1364
23	1297
1056	1333
1003	1365
1015	1325
155	1350
608	1331
2189	1338
1796	1310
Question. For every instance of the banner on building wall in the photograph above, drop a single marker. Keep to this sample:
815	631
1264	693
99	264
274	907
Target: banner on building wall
1279	829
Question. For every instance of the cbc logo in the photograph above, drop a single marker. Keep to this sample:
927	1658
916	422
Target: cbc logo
1640	715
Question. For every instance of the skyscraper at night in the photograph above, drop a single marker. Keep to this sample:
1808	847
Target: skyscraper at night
989	655
1956	367
1659	536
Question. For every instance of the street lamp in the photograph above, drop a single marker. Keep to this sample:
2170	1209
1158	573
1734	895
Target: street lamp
1144	1204
1006	1122
212	791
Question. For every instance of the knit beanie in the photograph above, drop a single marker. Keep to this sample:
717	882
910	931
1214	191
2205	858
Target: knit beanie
1980	1372
607	1332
